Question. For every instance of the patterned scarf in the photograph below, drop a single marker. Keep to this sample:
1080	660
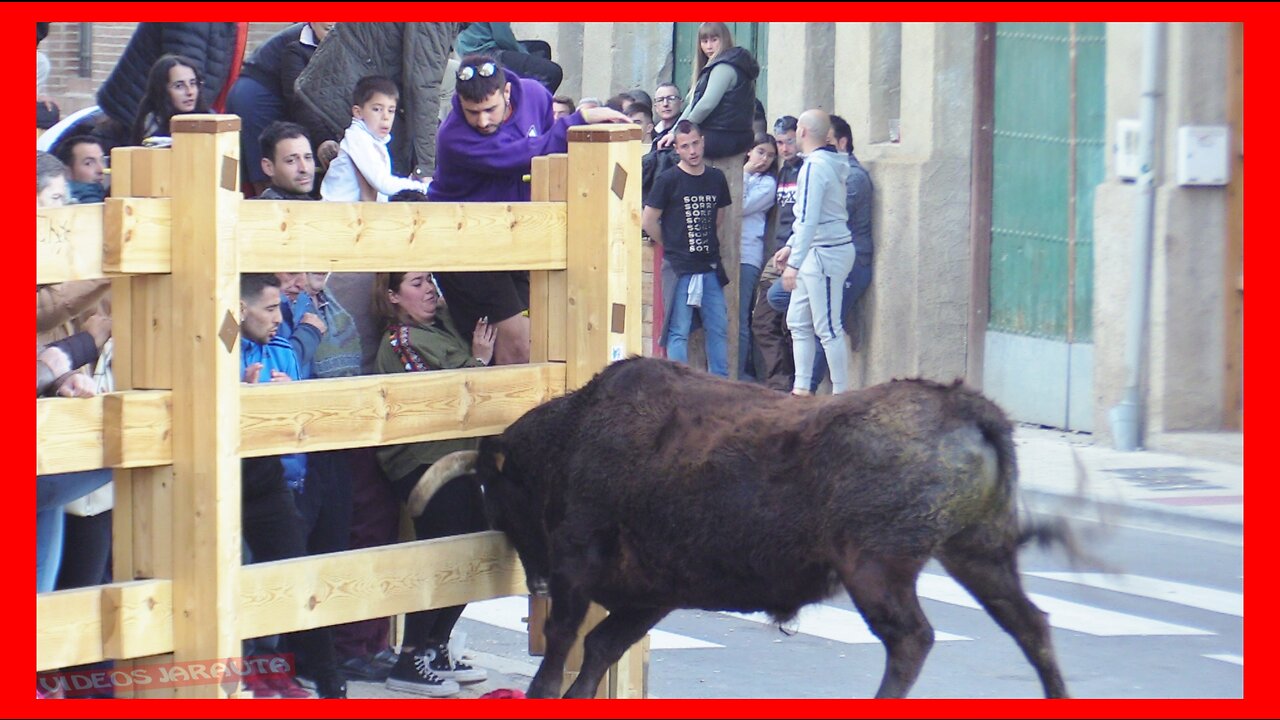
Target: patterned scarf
410	360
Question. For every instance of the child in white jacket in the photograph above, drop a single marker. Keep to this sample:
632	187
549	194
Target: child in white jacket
363	151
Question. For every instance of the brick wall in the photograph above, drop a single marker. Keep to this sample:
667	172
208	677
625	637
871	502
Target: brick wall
73	92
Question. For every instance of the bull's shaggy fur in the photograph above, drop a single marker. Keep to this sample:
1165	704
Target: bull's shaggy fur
656	487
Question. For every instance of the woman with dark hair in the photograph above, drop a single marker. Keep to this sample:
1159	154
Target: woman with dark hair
759	185
175	86
418	336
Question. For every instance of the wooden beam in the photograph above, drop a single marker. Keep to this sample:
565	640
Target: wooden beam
206	401
547	301
390	409
124	429
68	434
69	243
133	429
136	235
303	593
137	618
74	627
137	428
379	237
604	272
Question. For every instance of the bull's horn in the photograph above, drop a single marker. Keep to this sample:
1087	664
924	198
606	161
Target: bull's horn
441	471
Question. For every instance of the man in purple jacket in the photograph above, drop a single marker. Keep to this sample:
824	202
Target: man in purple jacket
498	124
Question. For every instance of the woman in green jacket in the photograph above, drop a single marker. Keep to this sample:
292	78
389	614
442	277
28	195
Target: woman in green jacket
419	336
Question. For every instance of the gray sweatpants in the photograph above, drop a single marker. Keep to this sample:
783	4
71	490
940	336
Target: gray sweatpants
815	309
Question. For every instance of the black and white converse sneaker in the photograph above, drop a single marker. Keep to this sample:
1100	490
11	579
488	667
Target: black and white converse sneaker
413	675
439	662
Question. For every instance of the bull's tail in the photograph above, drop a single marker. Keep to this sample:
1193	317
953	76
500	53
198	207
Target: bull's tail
1047	530
996	430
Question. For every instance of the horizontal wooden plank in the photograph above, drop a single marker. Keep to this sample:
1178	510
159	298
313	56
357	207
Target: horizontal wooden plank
69	243
303	593
135	619
136	236
68	434
137	615
379	410
70	431
362	237
367	411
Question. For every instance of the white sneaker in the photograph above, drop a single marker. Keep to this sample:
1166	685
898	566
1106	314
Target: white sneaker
412	675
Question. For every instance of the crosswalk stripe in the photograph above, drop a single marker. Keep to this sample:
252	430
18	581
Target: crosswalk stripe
1062	613
834	623
507	613
1233	659
1219	601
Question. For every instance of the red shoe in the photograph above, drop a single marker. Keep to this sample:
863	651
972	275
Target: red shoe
259	686
503	694
287	687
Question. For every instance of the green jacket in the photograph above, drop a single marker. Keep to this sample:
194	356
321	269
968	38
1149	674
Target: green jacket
483	37
439	347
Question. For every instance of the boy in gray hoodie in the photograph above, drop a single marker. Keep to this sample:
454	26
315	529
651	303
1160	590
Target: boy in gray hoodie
818	256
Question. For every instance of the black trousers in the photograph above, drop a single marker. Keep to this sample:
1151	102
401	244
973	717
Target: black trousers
545	71
456	509
272	527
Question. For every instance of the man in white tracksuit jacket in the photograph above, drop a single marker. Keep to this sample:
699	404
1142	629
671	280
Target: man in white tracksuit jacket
818	256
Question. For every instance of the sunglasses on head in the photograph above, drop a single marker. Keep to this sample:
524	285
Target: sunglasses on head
466	72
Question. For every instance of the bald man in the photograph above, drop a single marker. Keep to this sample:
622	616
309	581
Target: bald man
818	256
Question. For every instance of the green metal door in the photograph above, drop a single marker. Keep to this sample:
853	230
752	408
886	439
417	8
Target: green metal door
1050	112
752	36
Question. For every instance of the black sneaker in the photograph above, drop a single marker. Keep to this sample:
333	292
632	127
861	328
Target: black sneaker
412	675
446	667
331	686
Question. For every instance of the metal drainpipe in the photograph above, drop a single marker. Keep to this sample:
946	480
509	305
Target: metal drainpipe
1126	417
86	50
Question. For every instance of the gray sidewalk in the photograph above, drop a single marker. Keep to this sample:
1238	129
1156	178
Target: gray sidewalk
1196	478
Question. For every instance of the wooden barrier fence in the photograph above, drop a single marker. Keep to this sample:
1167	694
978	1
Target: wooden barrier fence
174	237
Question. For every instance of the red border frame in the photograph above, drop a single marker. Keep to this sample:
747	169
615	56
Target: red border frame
1258	18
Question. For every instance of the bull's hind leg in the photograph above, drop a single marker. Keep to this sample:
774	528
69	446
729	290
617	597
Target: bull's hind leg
606	643
568	608
884	590
990	574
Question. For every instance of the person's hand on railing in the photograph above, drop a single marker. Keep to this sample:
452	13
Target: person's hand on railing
99	326
603	115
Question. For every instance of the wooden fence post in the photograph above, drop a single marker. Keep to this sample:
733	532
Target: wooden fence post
206	392
603	274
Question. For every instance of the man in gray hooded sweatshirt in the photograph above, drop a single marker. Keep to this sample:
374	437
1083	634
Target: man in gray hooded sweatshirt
818	256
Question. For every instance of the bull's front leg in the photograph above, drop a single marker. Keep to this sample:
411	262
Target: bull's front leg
605	644
568	608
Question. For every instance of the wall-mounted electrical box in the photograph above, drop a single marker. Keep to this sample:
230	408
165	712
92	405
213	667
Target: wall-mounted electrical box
1202	155
1127	132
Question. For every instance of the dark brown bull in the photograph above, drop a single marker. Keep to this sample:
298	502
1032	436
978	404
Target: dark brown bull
655	487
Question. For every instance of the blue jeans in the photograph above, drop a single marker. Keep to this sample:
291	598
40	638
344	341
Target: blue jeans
750	275
715	320
52	492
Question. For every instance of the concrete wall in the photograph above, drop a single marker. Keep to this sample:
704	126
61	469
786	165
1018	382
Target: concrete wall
916	310
601	59
1183	383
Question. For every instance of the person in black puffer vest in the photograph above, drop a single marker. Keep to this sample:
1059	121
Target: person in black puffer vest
723	98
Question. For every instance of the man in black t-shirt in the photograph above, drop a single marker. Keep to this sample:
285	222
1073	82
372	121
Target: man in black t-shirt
684	211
